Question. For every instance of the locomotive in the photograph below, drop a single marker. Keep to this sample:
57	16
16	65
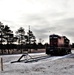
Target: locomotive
59	45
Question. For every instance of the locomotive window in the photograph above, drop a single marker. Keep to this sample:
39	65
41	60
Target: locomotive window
53	37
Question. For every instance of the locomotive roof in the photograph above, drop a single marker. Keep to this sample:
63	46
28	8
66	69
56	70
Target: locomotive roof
54	35
65	37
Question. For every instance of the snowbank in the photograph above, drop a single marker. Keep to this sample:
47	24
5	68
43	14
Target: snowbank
57	65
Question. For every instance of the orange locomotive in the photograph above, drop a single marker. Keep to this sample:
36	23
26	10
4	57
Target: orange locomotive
59	45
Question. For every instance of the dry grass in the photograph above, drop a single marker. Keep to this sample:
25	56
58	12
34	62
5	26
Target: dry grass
15	51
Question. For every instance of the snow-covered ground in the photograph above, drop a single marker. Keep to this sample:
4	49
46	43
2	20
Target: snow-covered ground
45	65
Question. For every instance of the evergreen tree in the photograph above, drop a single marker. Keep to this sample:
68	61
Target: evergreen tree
1	36
1	32
8	34
20	33
31	40
31	37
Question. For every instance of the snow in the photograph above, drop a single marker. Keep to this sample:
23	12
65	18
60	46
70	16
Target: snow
56	65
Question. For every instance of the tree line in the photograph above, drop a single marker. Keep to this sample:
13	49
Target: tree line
19	41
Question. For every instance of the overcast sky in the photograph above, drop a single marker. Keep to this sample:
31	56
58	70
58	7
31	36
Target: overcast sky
45	17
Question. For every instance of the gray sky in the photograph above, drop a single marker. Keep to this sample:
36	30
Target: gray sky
45	17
